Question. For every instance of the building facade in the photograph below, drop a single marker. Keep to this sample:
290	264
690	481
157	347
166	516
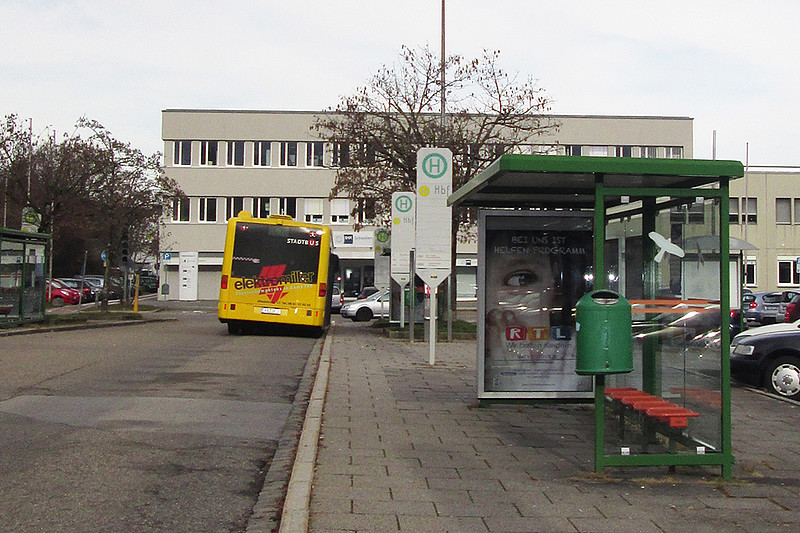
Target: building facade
273	162
765	212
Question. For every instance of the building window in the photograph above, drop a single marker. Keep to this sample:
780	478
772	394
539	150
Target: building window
366	210
236	153
262	153
208	153
783	210
787	272
312	208
341	154
750	272
180	209
288	206
674	152
750	210
688	214
340	211
208	210
624	151
234	205
797	210
573	149
649	152
314	154
598	151
182	153
261	207
289	154
733	214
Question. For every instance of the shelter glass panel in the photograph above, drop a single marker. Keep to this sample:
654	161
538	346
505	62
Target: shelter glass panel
668	267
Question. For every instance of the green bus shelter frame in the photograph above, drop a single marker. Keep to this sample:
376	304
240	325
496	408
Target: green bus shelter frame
22	313
600	184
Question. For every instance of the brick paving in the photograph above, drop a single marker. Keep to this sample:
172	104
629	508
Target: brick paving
405	447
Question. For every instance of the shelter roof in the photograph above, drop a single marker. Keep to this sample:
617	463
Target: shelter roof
569	181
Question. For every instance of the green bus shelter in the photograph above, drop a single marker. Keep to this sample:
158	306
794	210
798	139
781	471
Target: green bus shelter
661	242
22	276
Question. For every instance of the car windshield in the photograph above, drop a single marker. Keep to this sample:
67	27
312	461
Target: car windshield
772	298
375	296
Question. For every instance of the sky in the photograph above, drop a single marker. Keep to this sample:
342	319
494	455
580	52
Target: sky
730	65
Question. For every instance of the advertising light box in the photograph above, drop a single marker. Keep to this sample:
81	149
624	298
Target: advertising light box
534	268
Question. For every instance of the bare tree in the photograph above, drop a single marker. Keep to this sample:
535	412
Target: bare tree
128	194
377	130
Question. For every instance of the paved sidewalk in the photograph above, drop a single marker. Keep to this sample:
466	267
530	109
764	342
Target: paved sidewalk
403	447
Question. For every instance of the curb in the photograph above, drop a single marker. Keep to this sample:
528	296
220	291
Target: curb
298	496
266	515
84	325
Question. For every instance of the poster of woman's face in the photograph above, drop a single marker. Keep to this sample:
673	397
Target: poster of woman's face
533	278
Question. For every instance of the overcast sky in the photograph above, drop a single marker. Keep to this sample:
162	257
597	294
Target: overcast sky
731	65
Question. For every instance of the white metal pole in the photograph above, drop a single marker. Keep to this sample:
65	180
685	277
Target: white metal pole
411	297
432	336
402	306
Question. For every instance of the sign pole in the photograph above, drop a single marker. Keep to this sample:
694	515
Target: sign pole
411	297
432	336
402	306
434	224
449	309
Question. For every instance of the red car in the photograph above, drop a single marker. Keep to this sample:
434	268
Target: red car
59	294
793	309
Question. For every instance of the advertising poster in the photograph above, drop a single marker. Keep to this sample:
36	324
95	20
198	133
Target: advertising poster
535	270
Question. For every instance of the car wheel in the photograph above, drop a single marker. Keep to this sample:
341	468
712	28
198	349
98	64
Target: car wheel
783	377
58	301
234	328
364	314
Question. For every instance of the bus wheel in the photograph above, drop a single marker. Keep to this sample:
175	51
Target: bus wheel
234	328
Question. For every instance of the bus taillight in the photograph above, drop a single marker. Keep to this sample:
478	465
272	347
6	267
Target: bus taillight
224	282
323	289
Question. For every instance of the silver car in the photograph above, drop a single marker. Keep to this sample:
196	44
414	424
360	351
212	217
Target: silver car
374	306
336	299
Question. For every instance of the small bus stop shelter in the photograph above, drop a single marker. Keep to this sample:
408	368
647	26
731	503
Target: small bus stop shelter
660	240
22	276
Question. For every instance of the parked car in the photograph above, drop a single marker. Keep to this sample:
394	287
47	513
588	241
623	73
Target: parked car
772	328
793	309
376	305
90	292
58	293
770	359
115	290
763	307
148	283
367	292
337	299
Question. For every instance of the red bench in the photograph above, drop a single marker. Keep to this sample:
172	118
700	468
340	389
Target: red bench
652	406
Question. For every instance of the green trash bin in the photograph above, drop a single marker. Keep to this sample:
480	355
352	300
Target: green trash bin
604	334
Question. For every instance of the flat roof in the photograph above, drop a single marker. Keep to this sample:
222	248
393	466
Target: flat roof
569	181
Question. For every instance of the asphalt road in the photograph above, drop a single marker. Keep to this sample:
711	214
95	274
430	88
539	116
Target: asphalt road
164	426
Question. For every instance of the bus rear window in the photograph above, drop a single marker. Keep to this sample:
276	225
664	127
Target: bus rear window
275	254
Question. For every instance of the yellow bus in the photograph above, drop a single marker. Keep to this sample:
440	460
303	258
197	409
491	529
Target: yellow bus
276	271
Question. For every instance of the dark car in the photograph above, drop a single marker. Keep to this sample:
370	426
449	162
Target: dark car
770	359
115	290
148	283
366	292
90	292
